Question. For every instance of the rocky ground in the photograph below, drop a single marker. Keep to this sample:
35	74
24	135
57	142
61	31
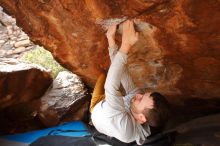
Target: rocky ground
13	41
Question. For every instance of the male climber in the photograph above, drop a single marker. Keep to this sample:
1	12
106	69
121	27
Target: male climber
127	118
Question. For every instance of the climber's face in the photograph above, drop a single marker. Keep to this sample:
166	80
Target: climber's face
140	103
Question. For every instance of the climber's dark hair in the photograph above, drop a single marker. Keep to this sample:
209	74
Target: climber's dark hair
158	116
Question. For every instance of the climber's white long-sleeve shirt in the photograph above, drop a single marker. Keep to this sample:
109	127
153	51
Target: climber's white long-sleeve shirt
112	116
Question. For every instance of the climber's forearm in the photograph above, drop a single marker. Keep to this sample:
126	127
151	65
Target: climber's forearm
111	42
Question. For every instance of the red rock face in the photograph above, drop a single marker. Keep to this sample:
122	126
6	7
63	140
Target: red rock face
21	82
178	52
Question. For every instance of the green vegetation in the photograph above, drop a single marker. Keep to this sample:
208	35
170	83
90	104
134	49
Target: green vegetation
44	58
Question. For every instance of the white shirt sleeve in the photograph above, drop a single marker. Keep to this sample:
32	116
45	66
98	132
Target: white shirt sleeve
113	95
126	80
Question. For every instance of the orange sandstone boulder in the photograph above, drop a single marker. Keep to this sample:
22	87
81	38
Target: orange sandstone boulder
21	82
178	52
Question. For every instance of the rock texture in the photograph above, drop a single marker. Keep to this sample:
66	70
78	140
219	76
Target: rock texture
29	101
13	41
193	132
178	53
66	95
21	82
